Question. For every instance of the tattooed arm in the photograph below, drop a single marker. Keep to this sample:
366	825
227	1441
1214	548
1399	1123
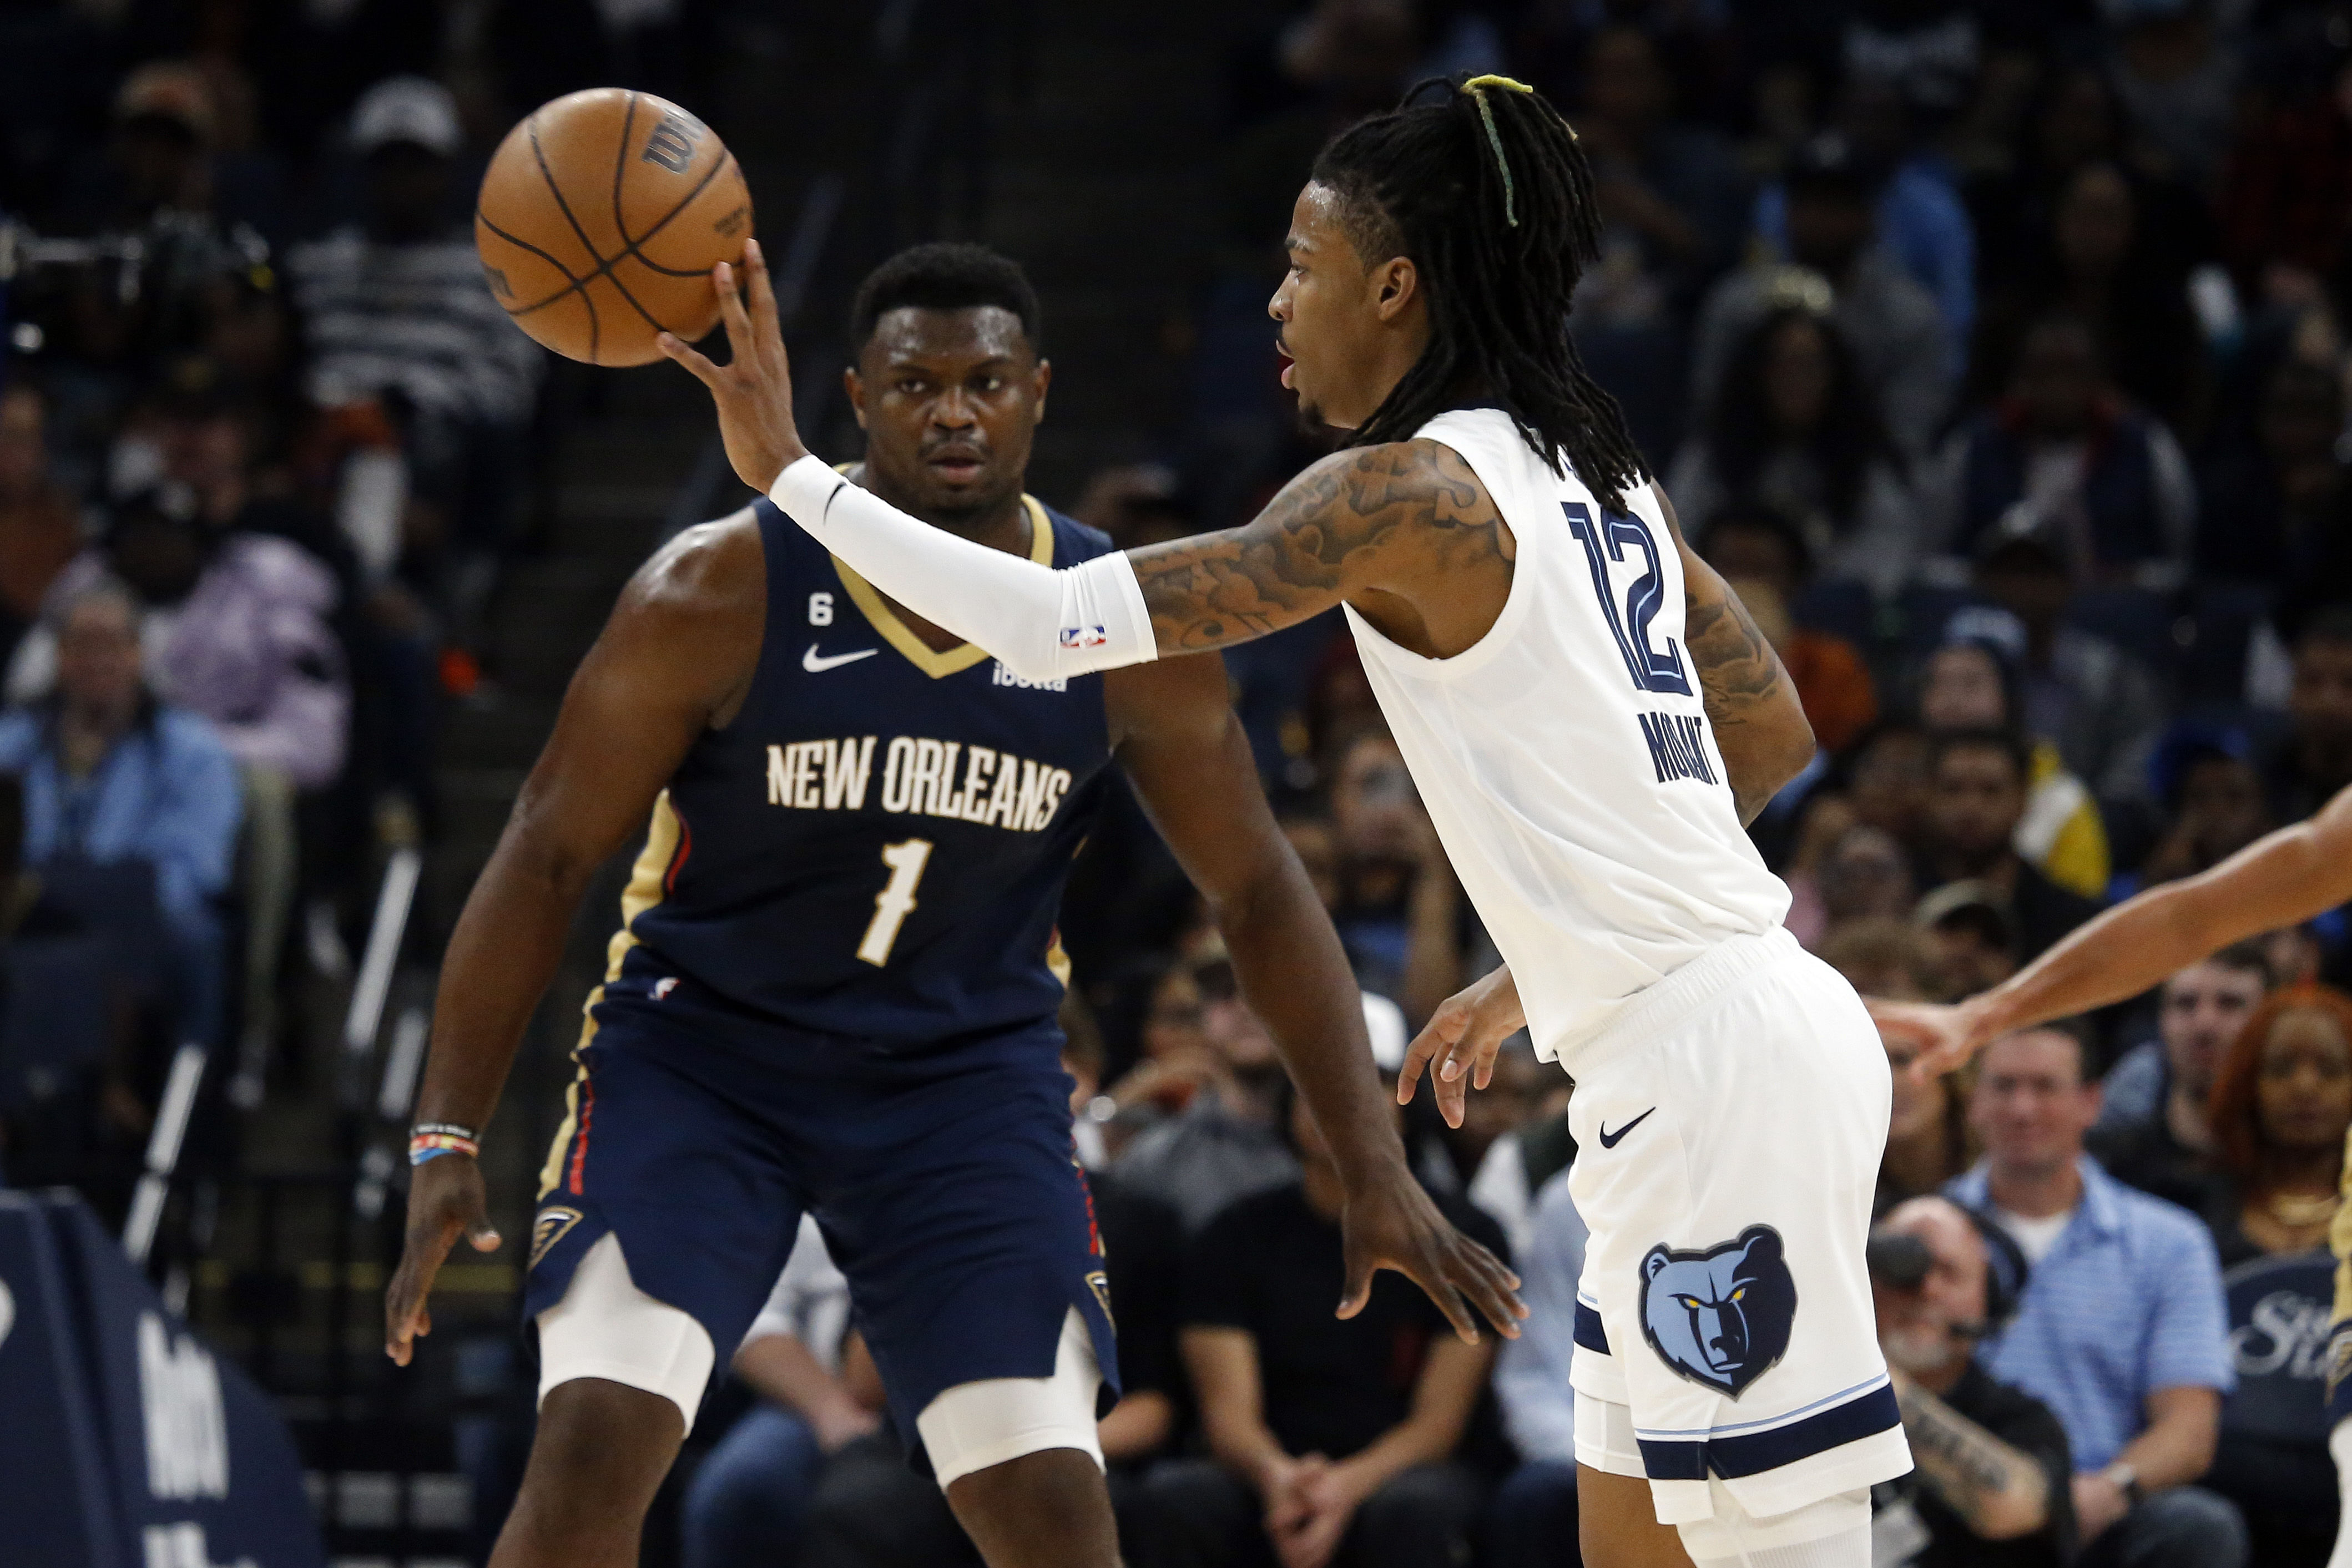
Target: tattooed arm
1999	1490
1751	703
1372	524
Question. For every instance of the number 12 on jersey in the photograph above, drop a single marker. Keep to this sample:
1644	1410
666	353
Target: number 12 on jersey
1652	670
906	860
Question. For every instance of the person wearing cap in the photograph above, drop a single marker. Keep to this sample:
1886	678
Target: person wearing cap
1836	264
1972	937
1330	1441
396	315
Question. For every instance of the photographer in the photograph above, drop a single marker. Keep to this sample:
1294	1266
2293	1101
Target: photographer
1993	1482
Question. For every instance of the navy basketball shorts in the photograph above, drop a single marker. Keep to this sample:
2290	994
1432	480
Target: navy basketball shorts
1729	1125
945	1185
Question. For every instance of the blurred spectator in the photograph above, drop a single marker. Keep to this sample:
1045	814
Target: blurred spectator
2279	510
2076	122
1971	936
1970	683
2060	460
1792	427
1225	1145
234	626
396	313
751	1493
2285	203
2120	1328
39	531
1978	793
1521	1162
1401	910
2281	1110
2155	1130
1920	219
1330	1441
2178	81
2099	702
1887	783
1533	1514
1175	1061
1865	876
1672	203
2281	1104
1516	1094
2096	264
1761	555
1838	267
2204	778
112	775
1994	1481
2313	759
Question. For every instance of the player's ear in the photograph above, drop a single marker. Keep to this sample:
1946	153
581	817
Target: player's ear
1396	285
856	387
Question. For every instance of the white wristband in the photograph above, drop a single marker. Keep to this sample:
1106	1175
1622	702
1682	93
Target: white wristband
1041	624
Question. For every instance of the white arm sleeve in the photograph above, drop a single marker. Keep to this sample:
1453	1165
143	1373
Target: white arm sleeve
1041	623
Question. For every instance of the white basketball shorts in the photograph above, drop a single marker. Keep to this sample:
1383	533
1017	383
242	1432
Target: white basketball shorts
1728	1126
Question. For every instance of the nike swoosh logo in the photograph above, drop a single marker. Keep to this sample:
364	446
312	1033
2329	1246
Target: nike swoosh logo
817	663
1610	1140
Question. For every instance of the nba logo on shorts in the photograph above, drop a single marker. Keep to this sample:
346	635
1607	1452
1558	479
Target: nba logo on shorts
1720	1316
1083	637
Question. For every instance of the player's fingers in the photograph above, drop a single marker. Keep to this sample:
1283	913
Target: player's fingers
740	337
1491	1287
697	364
1358	1289
1453	1096
762	291
482	1235
1417	1056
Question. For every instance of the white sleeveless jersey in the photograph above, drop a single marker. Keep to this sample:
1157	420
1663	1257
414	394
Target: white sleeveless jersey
1566	759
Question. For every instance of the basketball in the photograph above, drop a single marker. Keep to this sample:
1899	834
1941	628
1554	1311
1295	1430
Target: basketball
600	219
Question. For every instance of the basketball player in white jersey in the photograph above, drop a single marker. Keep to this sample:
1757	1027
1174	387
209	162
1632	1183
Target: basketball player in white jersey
1587	712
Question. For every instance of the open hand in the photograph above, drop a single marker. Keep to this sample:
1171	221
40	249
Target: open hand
1946	1036
755	389
1459	1043
1392	1223
444	1202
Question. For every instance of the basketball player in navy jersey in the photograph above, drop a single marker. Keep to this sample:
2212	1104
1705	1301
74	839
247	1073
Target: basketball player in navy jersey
834	983
1590	716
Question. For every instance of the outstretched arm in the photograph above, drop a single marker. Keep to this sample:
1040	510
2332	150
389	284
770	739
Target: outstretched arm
1181	744
1326	535
2287	876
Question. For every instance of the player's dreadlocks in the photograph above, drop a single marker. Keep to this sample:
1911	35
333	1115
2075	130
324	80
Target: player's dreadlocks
1486	191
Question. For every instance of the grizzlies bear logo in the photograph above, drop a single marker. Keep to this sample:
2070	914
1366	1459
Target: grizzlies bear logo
1720	1317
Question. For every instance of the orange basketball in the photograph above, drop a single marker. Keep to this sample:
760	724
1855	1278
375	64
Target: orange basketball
600	220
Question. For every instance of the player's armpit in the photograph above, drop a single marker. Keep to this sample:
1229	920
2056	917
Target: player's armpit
1331	532
1751	703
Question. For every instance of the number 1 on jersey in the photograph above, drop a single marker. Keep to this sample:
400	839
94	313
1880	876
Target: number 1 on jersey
897	899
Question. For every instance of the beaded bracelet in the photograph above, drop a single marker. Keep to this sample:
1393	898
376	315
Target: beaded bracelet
431	1140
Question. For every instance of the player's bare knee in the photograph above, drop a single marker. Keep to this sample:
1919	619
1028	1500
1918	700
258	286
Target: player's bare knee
600	1442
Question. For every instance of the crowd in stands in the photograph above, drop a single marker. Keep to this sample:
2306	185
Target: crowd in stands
264	447
1997	354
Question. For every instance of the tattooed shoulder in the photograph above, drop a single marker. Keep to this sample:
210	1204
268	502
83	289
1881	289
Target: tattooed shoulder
1335	529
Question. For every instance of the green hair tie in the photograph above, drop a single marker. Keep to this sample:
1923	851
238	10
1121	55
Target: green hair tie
1477	88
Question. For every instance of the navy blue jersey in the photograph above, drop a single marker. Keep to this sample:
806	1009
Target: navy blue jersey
876	845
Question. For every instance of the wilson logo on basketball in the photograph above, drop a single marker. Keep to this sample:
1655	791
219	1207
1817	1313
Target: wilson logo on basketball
671	145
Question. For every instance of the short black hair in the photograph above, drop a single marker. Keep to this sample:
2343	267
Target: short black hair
946	275
2008	742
